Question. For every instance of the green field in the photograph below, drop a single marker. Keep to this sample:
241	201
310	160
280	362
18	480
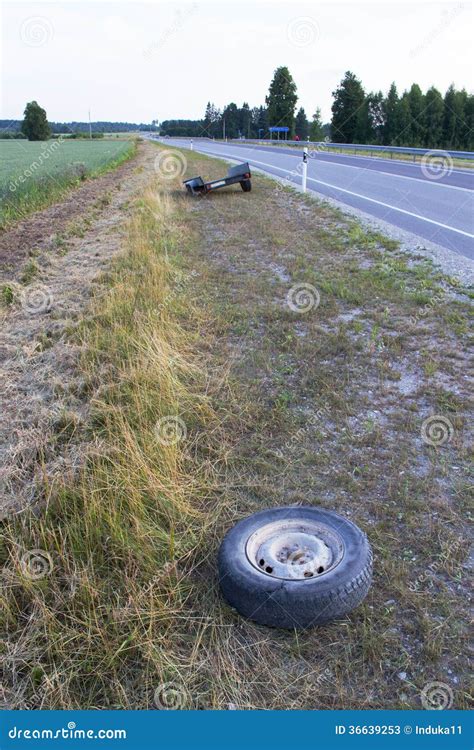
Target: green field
34	174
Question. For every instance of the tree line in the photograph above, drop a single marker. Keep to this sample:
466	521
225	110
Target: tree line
233	121
413	118
16	128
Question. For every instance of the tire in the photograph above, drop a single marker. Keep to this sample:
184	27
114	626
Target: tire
318	567
246	186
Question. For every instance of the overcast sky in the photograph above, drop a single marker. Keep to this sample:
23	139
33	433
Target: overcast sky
139	61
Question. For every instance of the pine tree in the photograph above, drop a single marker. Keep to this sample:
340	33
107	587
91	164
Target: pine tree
208	119
362	129
245	119
452	117
260	122
468	144
390	113
416	102
231	116
349	98
281	100
316	132
375	118
404	134
301	125
35	124
462	129
434	108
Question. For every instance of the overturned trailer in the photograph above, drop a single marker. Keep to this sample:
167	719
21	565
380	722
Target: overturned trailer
240	173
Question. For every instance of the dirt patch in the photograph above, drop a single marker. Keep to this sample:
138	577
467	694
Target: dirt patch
53	258
37	232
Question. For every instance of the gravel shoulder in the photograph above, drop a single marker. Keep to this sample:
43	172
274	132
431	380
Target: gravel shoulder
449	262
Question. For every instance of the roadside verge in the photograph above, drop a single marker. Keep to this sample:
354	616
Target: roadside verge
249	350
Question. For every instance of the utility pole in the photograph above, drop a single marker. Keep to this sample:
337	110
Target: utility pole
90	125
223	128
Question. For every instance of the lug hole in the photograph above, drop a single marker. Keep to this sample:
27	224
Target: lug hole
268	569
308	574
261	563
320	569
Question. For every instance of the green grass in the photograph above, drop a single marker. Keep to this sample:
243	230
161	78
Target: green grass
35	174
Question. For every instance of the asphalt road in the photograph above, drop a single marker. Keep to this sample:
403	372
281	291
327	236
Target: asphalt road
439	210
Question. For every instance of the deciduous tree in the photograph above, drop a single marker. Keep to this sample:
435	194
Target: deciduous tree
35	123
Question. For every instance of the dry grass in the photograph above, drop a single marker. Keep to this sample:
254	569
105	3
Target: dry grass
120	536
279	408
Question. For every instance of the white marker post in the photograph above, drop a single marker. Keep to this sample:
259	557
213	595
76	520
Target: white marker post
305	169
192	145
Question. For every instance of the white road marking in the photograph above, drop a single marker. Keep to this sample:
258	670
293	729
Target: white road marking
466	170
365	198
395	208
426	181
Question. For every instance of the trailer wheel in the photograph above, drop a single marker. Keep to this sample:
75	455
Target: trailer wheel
246	186
295	567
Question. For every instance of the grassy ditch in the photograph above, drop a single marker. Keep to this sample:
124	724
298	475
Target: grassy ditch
116	538
216	394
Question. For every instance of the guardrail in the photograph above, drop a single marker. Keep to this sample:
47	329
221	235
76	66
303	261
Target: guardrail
183	137
354	147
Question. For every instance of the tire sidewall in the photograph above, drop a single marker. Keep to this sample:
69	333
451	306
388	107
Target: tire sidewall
292	602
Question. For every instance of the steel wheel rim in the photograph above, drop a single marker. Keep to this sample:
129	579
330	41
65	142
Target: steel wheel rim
295	549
